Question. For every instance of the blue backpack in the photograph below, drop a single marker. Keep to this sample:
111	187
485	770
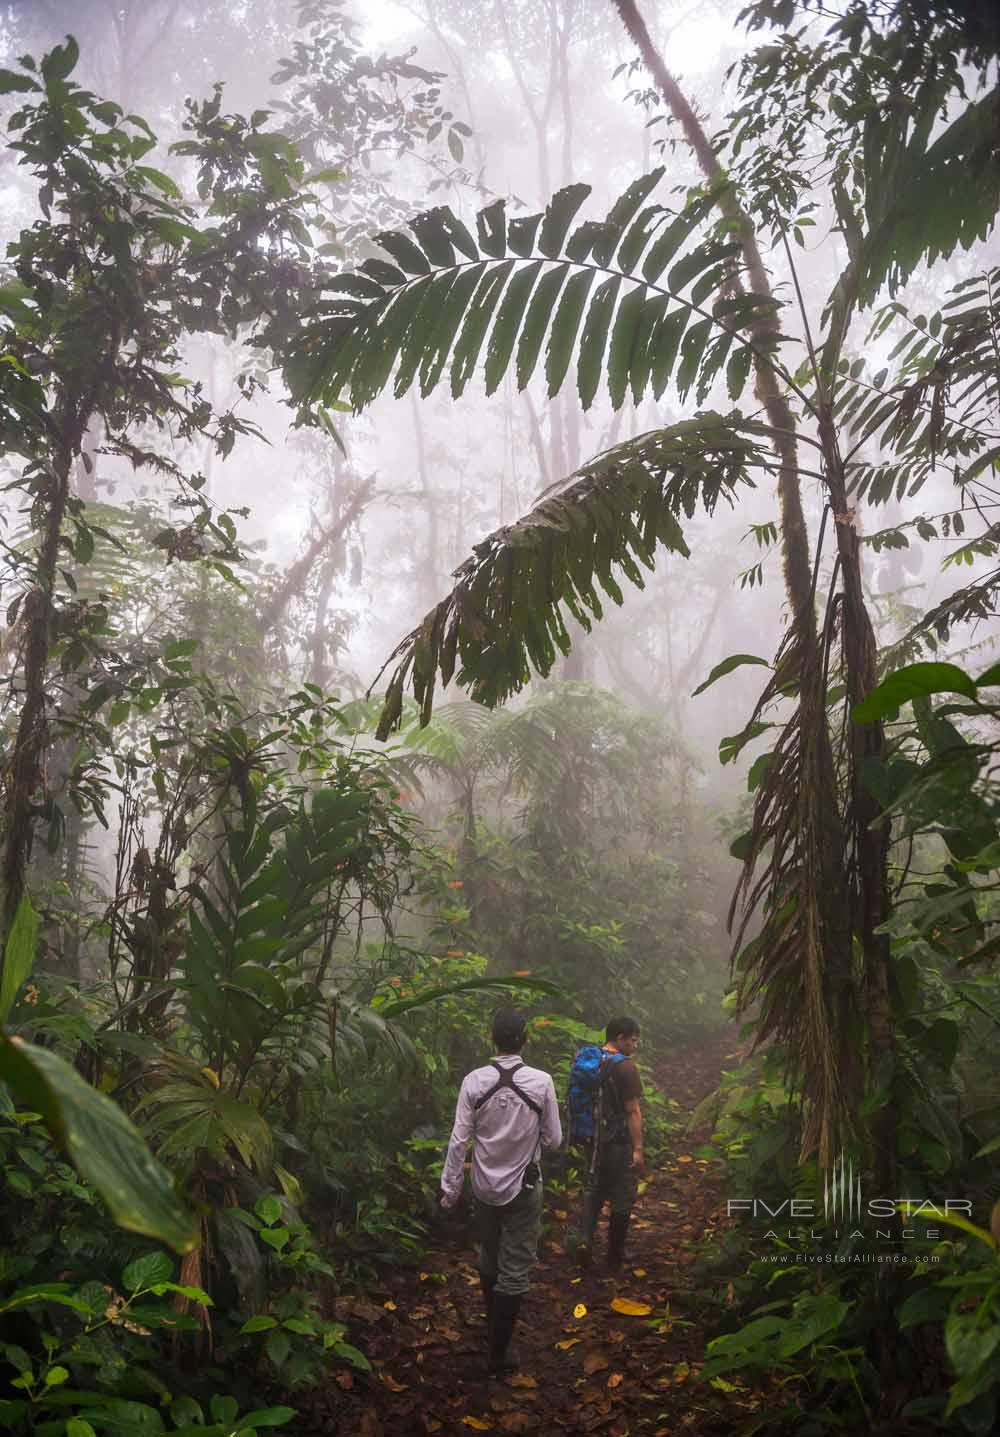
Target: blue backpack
587	1085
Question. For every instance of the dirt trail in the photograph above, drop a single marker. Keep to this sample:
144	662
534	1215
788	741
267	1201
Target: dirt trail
603	1371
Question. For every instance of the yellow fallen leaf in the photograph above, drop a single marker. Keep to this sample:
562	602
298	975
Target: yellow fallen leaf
574	1280
562	1216
389	1306
616	1379
567	1344
628	1308
685	1159
580	1311
682	1370
477	1424
636	1272
392	1384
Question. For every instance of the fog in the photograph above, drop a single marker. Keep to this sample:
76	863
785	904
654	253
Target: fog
543	93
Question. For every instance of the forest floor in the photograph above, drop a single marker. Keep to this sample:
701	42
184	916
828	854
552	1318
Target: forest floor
585	1366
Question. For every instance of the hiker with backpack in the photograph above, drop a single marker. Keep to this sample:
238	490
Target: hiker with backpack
606	1121
510	1112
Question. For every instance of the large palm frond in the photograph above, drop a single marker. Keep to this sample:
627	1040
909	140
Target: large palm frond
504	616
638	287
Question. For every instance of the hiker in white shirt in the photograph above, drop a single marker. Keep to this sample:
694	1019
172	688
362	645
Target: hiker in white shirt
511	1114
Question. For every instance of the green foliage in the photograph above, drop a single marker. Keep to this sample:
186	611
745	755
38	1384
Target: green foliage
103	1144
504	617
434	305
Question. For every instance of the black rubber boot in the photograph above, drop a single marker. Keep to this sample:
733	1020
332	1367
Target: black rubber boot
617	1230
502	1358
488	1284
591	1214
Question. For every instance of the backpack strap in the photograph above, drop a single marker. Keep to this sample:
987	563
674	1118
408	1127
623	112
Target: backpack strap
506	1080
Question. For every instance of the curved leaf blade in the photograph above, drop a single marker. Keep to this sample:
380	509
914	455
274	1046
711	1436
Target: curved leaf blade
104	1145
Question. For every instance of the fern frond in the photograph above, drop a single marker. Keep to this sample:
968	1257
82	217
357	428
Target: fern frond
532	283
505	615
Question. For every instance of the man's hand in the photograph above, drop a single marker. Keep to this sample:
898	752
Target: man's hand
638	1161
448	1203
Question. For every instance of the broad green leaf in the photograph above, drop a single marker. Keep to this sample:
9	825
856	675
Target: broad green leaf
477	321
419	336
737	371
642	350
60	61
263	1323
692	351
408	256
595	340
624	338
504	333
663	344
453	312
562	335
268	1417
19	954
734	661
637	238
11	81
558	217
623	212
951	1219
913	681
521	234
103	1144
667	244
536	322
146	1271
491	227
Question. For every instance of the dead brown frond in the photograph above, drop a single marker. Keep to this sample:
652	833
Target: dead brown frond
799	966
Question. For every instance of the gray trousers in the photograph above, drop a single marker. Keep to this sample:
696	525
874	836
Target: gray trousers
612	1180
508	1240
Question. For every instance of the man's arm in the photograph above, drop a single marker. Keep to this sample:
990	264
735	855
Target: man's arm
633	1118
551	1127
453	1172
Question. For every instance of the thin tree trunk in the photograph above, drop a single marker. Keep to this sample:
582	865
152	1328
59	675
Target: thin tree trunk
823	1028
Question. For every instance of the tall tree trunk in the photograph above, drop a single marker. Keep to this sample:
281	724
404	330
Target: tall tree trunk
823	1027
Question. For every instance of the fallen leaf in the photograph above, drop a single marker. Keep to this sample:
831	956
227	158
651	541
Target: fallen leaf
682	1371
390	1382
344	1380
636	1272
685	1159
579	1310
391	1306
477	1424
521	1379
567	1344
519	1422
628	1308
594	1362
616	1379
562	1216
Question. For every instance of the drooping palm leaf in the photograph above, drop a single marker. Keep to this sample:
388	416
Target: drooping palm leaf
631	295
505	615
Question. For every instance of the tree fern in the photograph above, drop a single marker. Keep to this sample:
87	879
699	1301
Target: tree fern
535	290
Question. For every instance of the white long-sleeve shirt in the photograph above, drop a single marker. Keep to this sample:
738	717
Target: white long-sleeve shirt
507	1134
